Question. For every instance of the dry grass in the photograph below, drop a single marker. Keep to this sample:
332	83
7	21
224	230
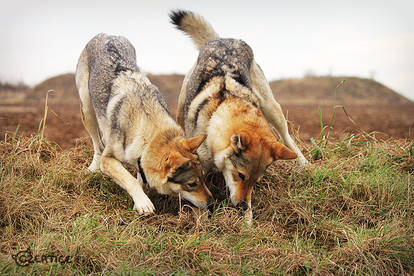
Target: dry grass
351	212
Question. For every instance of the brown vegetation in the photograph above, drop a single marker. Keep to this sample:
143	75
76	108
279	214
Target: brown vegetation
349	213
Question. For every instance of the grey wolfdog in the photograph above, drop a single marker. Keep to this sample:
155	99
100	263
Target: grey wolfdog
129	121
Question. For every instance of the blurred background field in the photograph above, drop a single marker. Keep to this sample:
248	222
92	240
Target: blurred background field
370	105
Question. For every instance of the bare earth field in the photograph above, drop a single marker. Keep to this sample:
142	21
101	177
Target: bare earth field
372	106
64	125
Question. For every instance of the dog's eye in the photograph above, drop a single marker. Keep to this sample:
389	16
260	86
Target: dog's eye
242	176
192	185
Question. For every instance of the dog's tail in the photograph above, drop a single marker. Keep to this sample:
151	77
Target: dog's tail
193	25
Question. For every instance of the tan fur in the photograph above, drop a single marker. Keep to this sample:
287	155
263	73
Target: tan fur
200	33
257	143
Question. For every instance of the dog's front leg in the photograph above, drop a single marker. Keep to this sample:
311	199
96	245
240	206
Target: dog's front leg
113	168
248	214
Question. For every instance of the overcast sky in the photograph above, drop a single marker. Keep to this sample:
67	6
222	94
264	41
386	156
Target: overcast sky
40	39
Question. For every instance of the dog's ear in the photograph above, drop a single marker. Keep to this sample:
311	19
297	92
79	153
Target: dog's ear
280	151
180	172
240	141
192	144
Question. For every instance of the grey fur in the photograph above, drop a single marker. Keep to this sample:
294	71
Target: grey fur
220	57
108	56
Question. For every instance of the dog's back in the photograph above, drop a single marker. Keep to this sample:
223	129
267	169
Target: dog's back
120	95
220	57
108	56
117	86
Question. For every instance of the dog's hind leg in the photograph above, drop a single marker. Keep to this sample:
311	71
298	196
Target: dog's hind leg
181	100
274	115
91	125
87	112
272	110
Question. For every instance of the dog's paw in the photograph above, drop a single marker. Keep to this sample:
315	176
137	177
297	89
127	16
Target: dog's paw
248	217
302	161
93	167
144	206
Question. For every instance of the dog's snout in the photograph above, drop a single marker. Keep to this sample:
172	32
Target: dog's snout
242	205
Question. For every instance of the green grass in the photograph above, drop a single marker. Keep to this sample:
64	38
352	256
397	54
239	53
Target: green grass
350	212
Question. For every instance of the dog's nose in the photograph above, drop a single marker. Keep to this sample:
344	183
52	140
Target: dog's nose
242	205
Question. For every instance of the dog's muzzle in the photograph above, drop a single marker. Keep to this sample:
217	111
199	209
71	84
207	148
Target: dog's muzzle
242	205
211	204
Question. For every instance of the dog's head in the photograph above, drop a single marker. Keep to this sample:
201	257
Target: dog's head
173	168
244	161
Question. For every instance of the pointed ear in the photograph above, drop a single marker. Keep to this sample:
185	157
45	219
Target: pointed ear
240	141
192	144
177	170
280	151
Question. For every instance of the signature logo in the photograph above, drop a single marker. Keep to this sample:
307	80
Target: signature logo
25	258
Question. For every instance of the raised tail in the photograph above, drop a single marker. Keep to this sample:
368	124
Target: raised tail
193	25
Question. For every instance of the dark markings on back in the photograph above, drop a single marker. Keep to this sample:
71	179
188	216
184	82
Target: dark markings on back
221	96
243	80
203	103
108	56
217	58
115	113
119	68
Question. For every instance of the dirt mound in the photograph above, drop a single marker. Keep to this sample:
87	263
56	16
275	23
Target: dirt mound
64	89
321	90
63	86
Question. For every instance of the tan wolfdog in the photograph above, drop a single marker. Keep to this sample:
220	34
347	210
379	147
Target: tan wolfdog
226	96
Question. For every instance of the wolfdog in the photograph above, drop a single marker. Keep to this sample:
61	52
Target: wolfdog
129	121
226	96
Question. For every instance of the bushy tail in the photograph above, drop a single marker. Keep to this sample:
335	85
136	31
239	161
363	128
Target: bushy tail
193	25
